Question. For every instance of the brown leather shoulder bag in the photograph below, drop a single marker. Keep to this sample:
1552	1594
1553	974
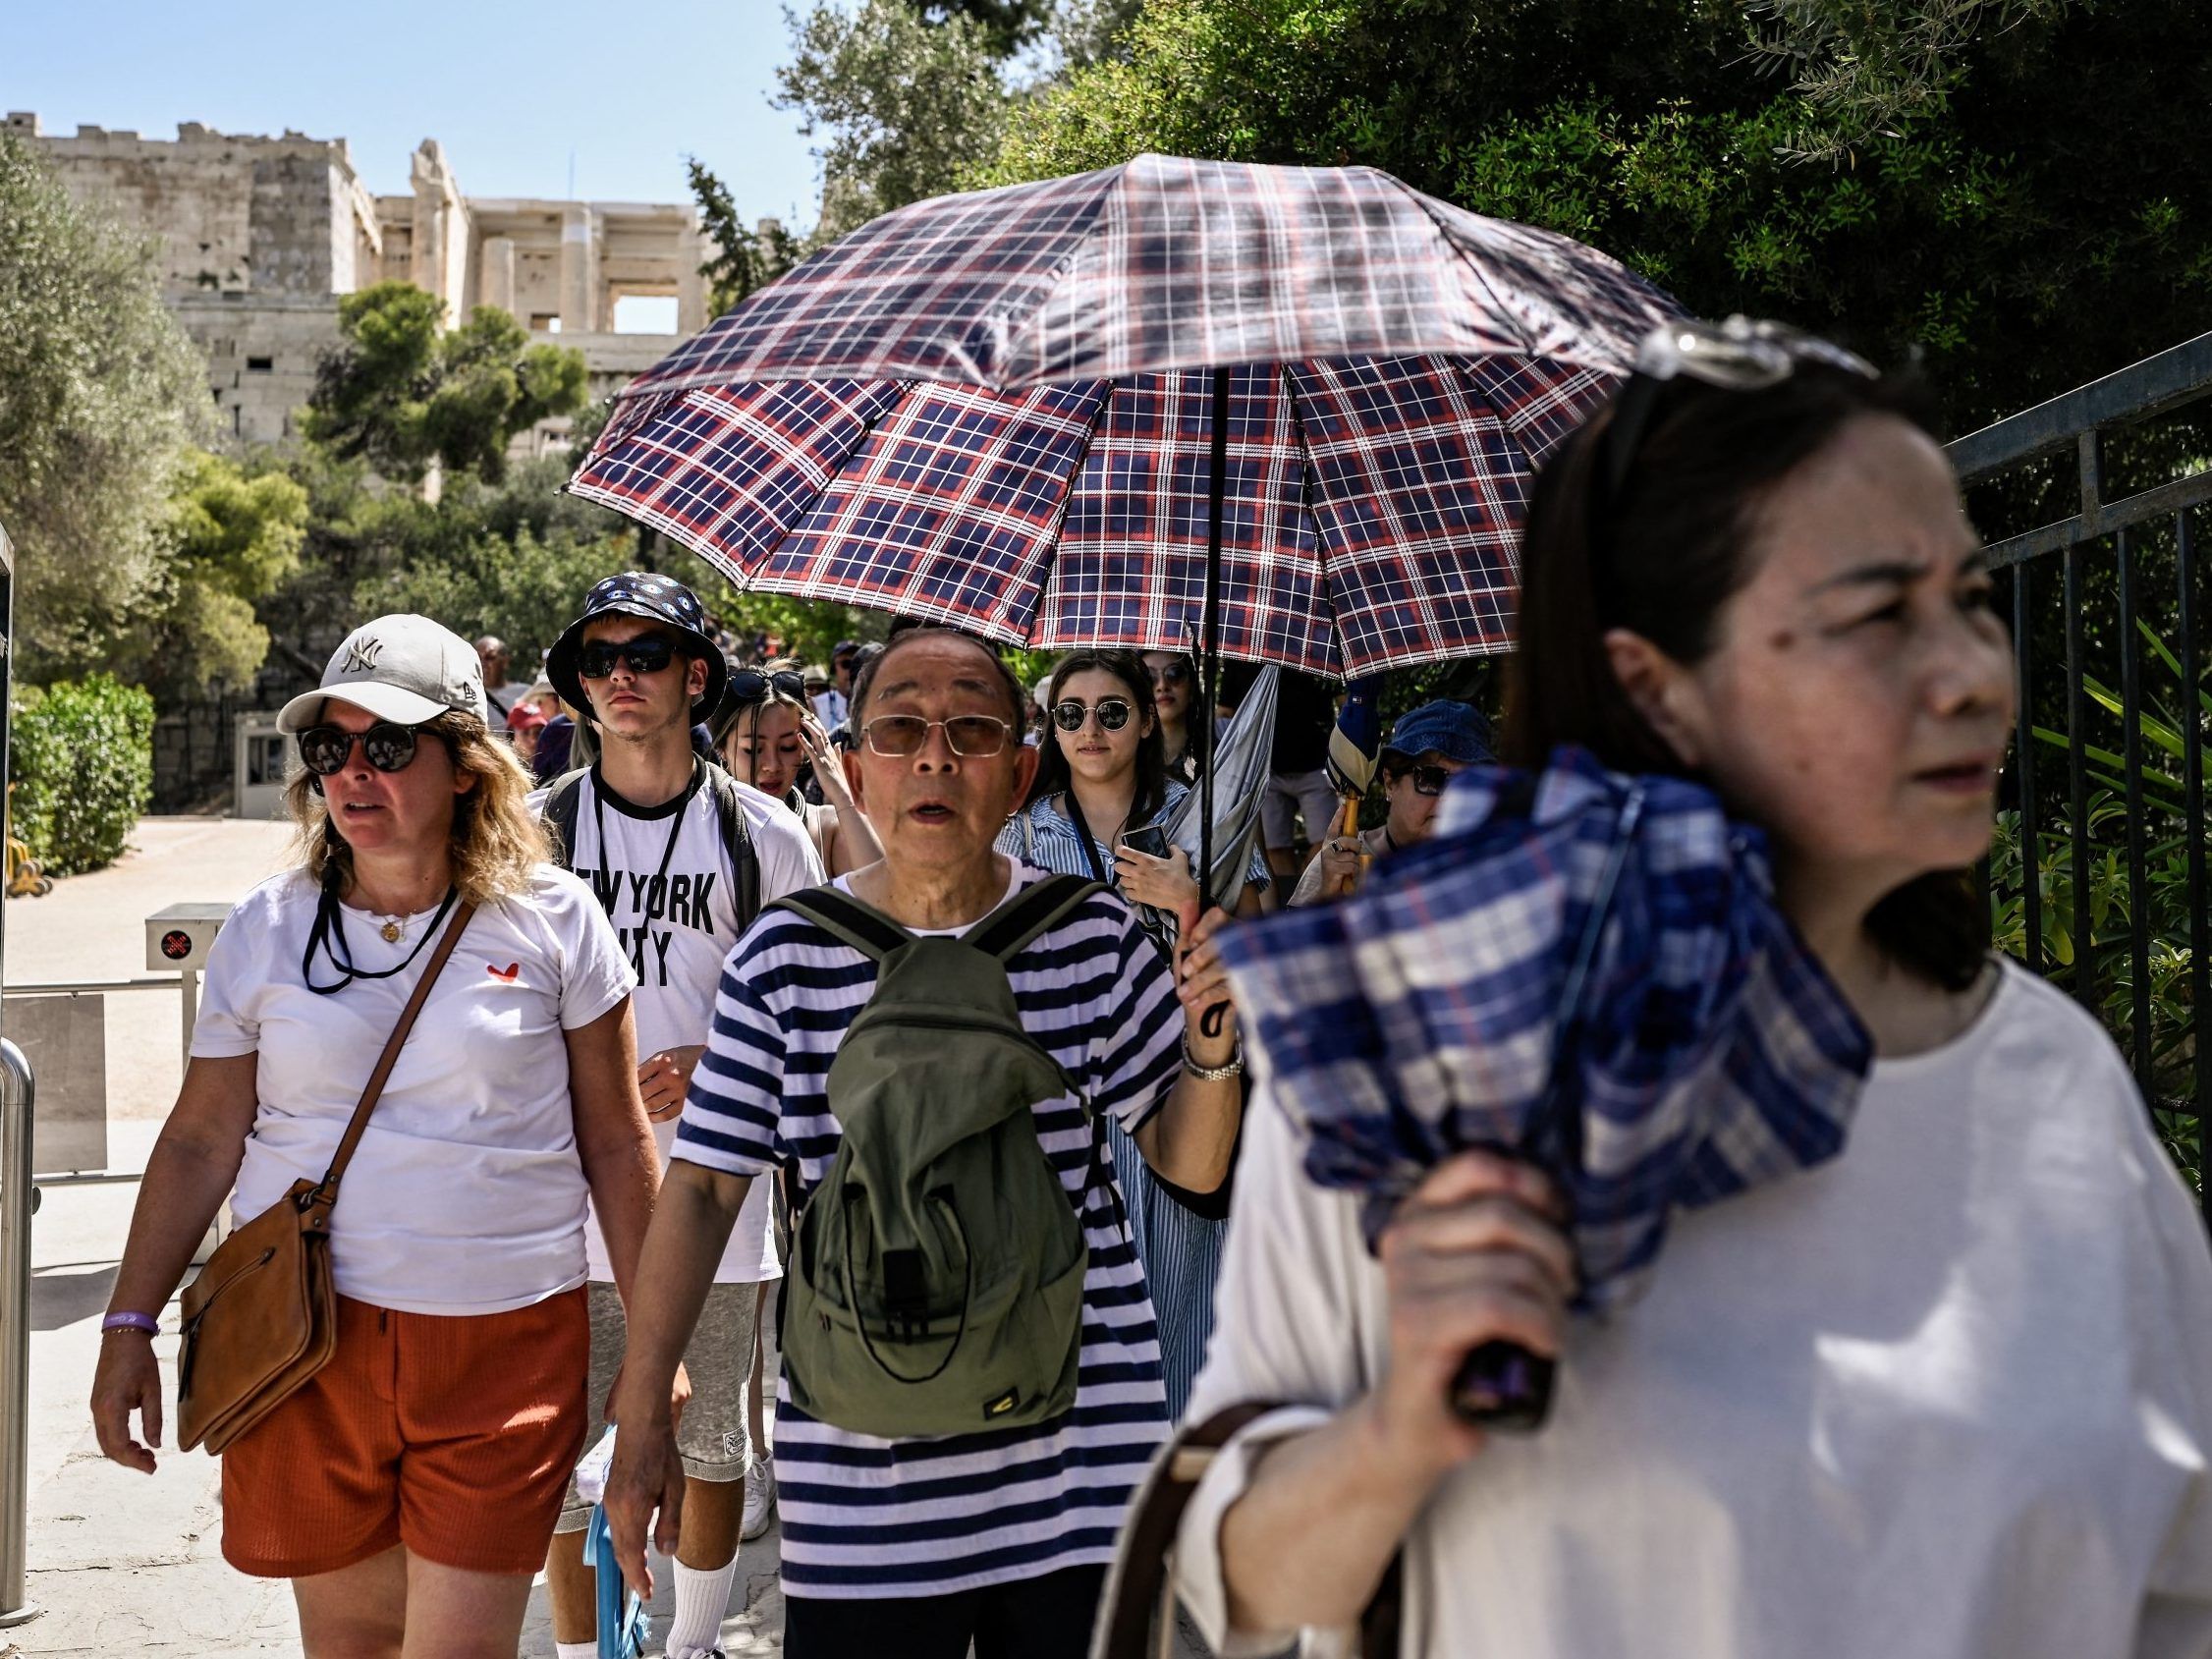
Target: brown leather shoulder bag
262	1316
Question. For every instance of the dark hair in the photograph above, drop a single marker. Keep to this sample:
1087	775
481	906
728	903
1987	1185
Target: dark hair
1663	558
1127	667
863	682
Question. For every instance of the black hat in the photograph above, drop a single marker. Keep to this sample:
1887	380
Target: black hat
658	598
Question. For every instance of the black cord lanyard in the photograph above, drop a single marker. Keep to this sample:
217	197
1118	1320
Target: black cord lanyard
328	934
656	895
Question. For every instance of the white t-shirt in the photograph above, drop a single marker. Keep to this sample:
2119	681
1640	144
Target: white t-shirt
466	1194
664	877
1946	1397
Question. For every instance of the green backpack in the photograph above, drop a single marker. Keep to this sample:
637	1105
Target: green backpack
936	1275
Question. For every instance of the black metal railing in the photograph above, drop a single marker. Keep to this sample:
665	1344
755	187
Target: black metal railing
2098	875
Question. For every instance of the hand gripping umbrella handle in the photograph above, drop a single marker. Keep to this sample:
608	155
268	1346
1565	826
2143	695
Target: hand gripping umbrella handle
1501	1386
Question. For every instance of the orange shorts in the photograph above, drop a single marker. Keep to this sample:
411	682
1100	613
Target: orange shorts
453	1436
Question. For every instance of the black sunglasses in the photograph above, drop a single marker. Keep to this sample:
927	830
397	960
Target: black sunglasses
751	685
1429	780
1169	674
1113	713
1740	355
648	653
387	746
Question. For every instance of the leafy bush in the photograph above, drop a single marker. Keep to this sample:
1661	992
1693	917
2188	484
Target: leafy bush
81	755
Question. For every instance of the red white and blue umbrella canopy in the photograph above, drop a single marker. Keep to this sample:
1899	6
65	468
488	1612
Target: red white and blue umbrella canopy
994	410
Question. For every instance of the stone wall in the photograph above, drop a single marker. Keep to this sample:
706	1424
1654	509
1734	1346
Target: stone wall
262	356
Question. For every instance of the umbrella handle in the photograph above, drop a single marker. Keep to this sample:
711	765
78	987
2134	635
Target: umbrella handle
1504	1387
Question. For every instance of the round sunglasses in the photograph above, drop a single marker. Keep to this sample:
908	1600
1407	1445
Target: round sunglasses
387	746
1113	713
1169	673
648	653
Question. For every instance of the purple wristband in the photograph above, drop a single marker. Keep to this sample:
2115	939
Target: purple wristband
145	1322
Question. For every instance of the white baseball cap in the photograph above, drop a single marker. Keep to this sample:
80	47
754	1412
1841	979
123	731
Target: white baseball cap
406	669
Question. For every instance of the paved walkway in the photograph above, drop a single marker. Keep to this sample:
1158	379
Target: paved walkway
123	1562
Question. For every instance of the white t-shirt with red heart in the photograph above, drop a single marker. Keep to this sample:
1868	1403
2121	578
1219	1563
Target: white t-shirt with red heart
467	1194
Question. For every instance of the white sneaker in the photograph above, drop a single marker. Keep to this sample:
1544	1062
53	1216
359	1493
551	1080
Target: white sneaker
759	1499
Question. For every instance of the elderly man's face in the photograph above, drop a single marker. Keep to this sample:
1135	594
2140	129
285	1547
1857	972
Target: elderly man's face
935	811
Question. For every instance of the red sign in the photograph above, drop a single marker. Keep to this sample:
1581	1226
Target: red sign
176	944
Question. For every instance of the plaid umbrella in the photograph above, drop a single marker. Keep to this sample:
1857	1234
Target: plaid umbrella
1291	410
1582	968
1370	509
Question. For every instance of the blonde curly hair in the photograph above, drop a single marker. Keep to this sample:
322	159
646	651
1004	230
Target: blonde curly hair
497	842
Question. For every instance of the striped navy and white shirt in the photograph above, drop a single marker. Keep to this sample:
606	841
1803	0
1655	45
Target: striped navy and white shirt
864	1518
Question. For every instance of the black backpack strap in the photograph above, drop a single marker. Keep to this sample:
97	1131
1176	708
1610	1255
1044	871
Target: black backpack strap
737	840
561	808
844	918
1008	928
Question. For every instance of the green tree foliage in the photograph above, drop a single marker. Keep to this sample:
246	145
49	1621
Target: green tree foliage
2013	190
1007	24
467	558
902	106
100	393
232	541
81	755
406	392
746	257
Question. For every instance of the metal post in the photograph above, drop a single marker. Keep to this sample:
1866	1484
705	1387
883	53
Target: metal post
18	1104
189	979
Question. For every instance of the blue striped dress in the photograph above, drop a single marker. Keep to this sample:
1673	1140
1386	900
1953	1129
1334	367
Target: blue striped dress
1180	1251
866	1518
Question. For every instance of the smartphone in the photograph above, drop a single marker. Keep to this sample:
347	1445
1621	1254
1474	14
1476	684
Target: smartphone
1151	841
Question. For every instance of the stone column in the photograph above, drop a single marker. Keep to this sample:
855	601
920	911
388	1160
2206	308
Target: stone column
690	286
496	277
579	268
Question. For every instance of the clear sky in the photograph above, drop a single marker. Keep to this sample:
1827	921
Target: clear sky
513	92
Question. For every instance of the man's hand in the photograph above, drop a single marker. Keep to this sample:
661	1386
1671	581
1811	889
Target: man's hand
665	1078
679	1396
648	1476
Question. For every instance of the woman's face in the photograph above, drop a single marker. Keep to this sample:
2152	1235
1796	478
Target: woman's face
1095	755
763	748
1171	685
374	811
1859	698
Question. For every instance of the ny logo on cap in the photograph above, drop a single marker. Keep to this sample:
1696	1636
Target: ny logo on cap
360	655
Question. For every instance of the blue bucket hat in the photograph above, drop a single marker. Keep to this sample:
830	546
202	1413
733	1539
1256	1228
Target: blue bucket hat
658	598
1454	730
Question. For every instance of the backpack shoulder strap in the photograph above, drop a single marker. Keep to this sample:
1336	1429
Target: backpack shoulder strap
561	808
737	840
844	918
1006	930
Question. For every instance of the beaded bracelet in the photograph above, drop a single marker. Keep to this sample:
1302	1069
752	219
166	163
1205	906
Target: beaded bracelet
145	1322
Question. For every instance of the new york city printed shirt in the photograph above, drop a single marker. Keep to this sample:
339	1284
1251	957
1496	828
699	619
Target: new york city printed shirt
664	878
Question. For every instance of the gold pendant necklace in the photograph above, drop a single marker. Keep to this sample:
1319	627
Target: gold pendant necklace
391	932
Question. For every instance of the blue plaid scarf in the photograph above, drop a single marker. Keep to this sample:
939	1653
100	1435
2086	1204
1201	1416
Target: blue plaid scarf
1584	968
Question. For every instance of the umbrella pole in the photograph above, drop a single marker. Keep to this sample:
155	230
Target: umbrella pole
1217	485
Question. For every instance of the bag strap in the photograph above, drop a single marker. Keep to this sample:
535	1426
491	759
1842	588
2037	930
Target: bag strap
1138	1583
561	805
1082	834
1014	924
326	1190
737	841
845	919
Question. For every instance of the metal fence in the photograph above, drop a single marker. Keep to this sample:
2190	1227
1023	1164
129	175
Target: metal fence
2098	875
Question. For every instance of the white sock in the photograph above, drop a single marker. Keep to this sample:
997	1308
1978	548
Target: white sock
701	1600
577	1650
